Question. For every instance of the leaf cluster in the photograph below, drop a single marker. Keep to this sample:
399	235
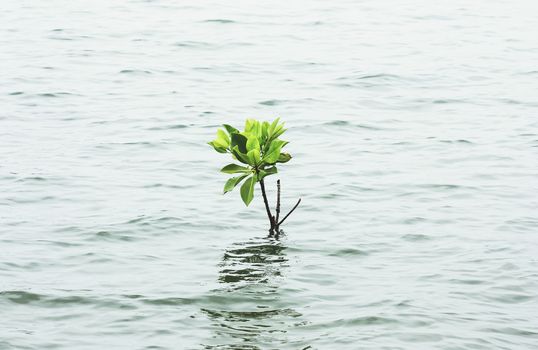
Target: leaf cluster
257	147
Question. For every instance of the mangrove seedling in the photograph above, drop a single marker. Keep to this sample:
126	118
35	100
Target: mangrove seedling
259	149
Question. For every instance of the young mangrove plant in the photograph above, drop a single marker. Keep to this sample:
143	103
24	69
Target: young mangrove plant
259	148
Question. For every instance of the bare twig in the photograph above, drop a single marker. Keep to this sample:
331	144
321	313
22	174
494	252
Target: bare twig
291	211
277	200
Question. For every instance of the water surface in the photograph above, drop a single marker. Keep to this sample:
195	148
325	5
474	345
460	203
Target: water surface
414	129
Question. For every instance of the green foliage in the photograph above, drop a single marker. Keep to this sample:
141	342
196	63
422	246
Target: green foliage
247	190
232	182
258	147
234	168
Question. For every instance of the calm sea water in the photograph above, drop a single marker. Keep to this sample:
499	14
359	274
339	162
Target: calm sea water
414	131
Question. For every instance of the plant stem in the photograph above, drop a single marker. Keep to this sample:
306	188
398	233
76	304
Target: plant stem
277	201
291	211
271	219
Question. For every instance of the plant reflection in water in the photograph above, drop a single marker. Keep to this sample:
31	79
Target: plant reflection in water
250	311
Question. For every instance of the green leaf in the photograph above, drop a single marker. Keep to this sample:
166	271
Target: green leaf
220	143
258	131
266	172
234	181
253	127
247	190
234	168
265	131
272	156
239	155
283	143
231	130
280	130
222	138
240	141
248	125
272	170
275	130
284	158
253	143
273	127
217	148
254	157
274	151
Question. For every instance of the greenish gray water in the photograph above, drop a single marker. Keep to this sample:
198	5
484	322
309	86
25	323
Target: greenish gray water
414	128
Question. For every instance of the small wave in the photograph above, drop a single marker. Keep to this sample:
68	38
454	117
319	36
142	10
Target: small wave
32	178
148	220
447	100
352	125
271	102
445	186
168	219
361	321
135	71
360	188
29	298
54	94
251	314
111	236
60	243
169	127
338	123
413	220
20	297
531	72
383	76
132	143
415	237
371	320
438	101
467	281
33	200
218	20
160	185
457	141
168	301
511	331
60	38
513	298
347	252
47	95
509	267
138	219
366	81
193	44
